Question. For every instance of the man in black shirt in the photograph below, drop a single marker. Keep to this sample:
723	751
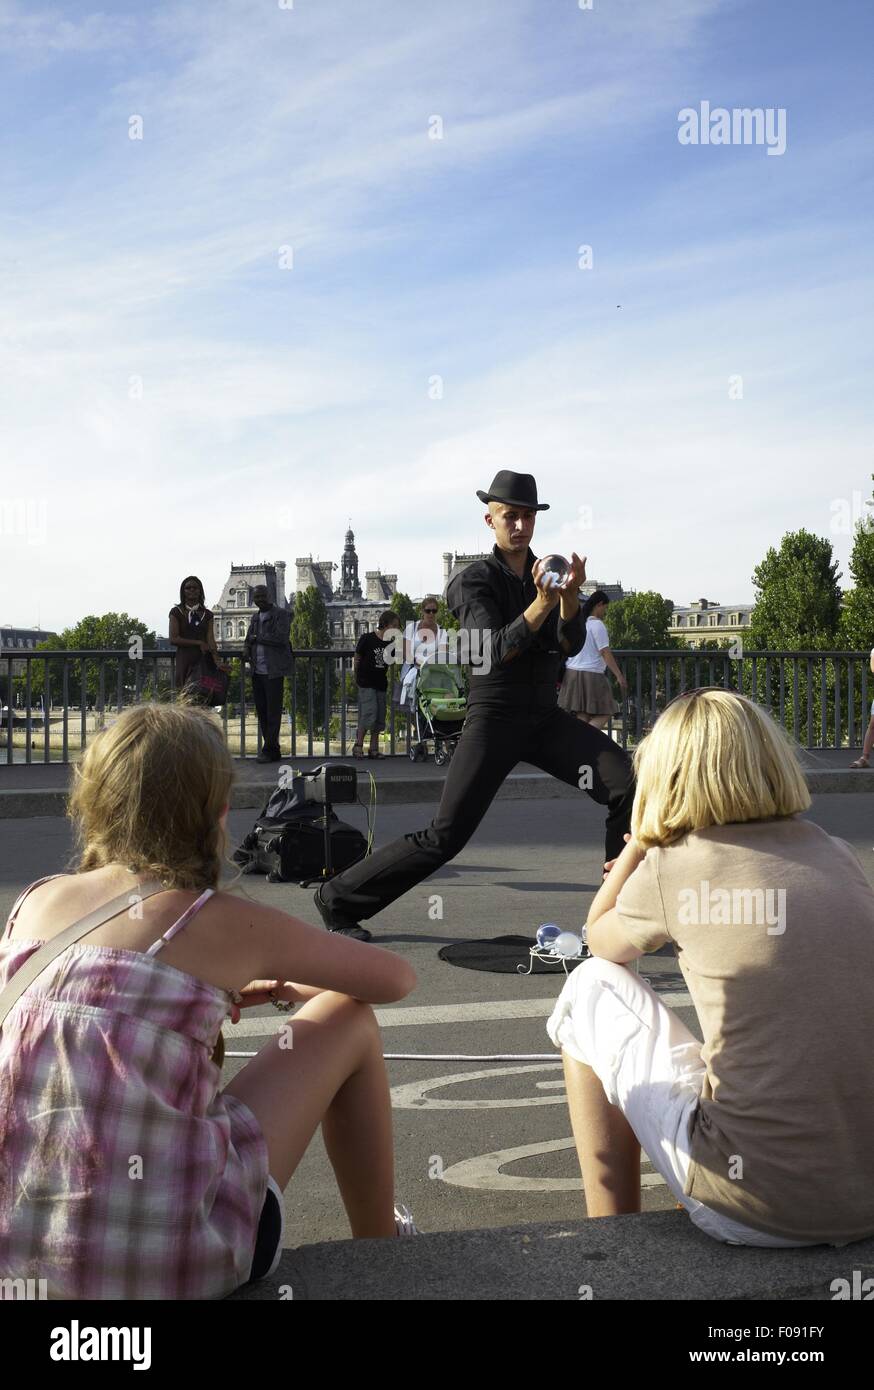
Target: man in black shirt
372	682
523	625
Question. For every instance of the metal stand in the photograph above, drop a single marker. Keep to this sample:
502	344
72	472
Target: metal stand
541	953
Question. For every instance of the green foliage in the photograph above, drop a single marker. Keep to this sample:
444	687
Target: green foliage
640	622
309	623
403	605
857	618
112	631
309	628
798	600
856	632
445	617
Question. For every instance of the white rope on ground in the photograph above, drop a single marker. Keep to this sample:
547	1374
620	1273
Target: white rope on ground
450	1056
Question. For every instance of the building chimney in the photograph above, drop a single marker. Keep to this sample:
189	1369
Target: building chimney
279	566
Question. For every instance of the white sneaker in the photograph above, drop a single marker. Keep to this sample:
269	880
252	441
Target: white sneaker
404	1221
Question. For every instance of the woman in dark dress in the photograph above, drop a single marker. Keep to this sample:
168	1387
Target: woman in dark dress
191	630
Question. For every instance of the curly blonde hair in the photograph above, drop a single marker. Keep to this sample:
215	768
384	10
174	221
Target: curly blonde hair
149	794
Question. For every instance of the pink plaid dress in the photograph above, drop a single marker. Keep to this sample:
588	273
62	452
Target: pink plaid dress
124	1171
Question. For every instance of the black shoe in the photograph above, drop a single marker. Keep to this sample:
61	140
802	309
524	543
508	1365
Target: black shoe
357	933
334	923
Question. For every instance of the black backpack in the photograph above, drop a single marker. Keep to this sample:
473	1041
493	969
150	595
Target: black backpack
287	841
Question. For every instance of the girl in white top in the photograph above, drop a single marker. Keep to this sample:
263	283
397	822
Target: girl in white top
585	689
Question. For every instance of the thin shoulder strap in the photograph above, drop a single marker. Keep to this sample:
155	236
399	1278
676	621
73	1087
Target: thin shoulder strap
181	923
16	906
36	964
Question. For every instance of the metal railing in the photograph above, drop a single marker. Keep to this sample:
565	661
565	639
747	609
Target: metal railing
85	687
822	699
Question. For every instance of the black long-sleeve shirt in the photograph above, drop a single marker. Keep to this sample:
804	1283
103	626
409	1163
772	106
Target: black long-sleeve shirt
487	597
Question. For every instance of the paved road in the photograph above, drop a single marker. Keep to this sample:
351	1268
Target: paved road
501	1135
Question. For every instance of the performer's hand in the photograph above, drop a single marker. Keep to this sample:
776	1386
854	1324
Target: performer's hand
549	594
576	574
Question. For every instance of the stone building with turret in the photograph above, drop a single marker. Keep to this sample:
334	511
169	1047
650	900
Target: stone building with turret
351	610
235	607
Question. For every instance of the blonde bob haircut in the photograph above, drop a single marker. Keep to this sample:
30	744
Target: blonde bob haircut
713	758
149	794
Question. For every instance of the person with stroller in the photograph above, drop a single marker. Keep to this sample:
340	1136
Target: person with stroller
765	1133
424	640
127	1171
526	625
585	689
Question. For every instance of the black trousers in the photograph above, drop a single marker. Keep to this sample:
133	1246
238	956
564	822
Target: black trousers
494	739
268	702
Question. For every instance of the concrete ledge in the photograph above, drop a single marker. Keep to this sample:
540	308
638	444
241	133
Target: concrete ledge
655	1255
250	794
18	804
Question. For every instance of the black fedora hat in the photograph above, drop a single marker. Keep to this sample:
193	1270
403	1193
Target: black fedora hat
515	489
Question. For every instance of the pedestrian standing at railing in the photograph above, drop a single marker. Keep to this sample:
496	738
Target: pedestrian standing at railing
267	648
585	689
372	681
868	745
192	630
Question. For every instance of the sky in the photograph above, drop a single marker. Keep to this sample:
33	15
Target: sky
339	277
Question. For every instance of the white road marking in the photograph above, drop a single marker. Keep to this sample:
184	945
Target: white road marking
417	1015
484	1171
415	1094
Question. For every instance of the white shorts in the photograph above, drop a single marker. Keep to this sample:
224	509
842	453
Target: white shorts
650	1067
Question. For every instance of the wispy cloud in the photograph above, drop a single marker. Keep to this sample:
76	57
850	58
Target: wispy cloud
184	401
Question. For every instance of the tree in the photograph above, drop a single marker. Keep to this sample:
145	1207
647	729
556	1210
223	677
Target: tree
641	622
857	618
445	617
798	609
111	632
403	605
798	603
309	628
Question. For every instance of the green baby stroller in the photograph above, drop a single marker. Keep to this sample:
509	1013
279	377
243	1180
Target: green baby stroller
439	707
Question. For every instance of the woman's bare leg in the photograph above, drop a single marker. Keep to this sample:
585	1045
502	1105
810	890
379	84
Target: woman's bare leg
332	1074
607	1146
598	720
584	717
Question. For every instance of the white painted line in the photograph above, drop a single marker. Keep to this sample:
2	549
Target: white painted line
417	1015
484	1171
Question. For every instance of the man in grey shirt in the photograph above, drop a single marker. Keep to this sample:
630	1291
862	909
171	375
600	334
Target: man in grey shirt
267	649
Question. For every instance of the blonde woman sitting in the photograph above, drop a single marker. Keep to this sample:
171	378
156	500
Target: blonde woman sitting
765	1133
126	1170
